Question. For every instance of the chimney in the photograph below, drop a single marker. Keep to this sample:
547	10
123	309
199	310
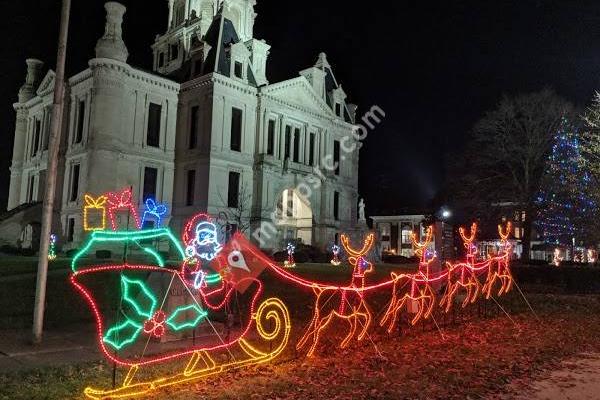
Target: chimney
111	45
34	69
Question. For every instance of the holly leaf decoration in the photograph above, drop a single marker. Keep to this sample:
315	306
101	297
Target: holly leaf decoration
139	297
186	317
123	334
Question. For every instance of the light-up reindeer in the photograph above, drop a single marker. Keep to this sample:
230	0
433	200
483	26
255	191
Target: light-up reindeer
501	262
464	275
421	293
349	303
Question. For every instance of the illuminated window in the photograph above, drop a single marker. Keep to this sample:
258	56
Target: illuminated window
406	236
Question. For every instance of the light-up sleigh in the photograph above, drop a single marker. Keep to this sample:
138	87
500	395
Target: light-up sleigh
138	306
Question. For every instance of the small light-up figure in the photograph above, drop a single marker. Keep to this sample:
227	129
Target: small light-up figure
206	244
154	211
335	249
52	248
290	263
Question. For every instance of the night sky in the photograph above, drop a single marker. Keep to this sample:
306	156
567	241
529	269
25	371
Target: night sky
434	68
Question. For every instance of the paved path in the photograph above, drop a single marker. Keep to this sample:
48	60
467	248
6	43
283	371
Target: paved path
576	379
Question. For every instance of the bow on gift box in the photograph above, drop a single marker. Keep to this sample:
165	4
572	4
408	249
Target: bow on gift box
154	210
94	204
142	314
121	201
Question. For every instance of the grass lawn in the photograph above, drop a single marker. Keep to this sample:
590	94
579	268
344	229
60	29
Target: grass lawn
475	352
476	356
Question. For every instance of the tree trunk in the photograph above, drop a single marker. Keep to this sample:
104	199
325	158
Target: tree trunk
527	227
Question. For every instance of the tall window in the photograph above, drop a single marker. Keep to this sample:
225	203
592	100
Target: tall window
271	138
174	51
80	122
190	187
193	140
236	129
336	206
161	60
37	131
30	189
154	117
296	144
338	109
150	178
336	156
233	192
238	70
288	141
74	188
70	229
311	150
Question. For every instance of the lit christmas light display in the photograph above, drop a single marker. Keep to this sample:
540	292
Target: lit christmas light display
143	317
52	248
119	202
350	304
154	212
290	262
95	207
564	202
221	270
335	249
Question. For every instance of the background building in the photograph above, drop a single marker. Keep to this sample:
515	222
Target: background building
204	131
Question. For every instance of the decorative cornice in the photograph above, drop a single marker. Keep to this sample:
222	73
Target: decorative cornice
134	73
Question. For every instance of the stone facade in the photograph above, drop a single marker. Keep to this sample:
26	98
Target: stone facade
205	131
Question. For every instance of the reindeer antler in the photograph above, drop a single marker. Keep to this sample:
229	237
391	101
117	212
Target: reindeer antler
367	244
473	232
506	233
420	246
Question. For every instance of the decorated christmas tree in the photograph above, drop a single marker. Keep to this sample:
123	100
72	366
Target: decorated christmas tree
565	204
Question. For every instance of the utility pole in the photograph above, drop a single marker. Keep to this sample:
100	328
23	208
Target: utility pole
53	147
